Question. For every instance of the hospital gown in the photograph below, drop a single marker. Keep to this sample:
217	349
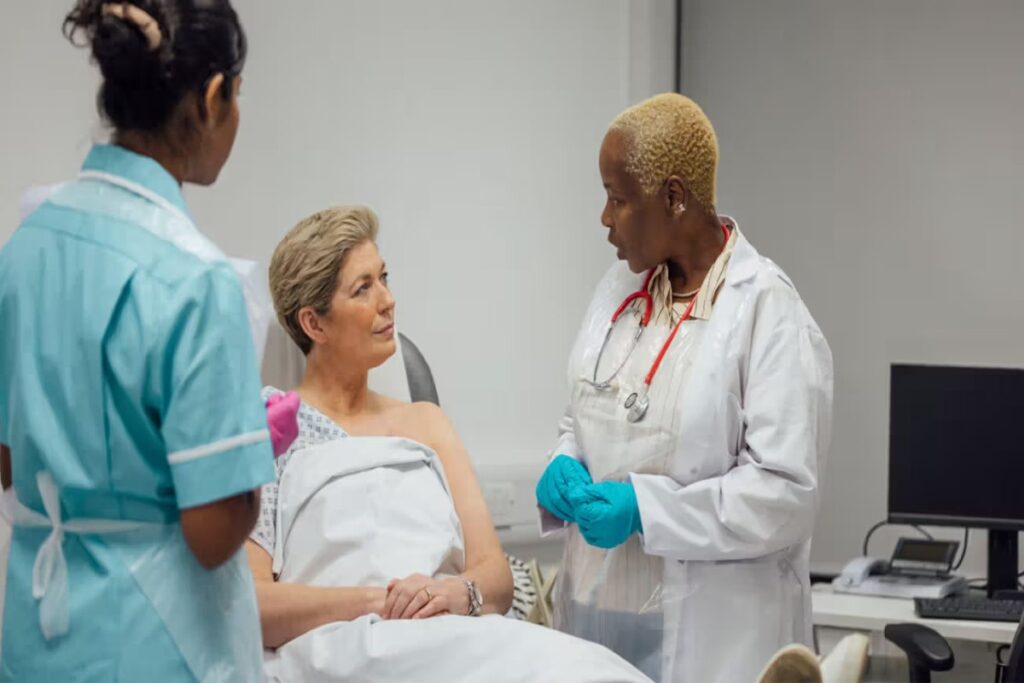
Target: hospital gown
358	511
314	428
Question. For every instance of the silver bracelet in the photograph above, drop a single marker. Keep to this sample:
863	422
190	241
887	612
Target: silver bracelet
476	599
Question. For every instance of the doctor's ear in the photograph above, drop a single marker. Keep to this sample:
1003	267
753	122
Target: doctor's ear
676	196
309	321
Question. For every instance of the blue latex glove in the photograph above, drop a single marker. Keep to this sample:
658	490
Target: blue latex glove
563	474
606	513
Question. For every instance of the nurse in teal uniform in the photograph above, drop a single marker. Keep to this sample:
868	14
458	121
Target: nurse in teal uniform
130	411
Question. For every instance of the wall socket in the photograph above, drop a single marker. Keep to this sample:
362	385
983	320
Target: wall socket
510	494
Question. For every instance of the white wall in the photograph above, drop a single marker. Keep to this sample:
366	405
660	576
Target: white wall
47	114
472	128
875	150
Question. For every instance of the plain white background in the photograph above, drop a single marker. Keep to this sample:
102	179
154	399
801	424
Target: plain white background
873	149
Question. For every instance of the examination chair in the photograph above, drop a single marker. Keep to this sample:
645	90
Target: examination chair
419	377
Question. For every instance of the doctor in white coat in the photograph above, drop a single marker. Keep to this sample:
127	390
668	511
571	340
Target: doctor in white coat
687	469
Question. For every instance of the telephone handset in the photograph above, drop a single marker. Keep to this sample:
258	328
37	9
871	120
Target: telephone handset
860	568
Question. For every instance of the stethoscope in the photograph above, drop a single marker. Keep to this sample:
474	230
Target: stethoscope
638	402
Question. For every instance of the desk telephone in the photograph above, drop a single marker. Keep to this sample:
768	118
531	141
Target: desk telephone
918	569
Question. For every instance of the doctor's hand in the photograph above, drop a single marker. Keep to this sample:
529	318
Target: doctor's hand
606	513
420	597
563	475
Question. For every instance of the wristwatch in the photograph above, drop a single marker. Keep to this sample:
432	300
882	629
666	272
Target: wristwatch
476	598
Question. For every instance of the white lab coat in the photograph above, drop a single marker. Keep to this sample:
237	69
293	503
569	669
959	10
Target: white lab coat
733	516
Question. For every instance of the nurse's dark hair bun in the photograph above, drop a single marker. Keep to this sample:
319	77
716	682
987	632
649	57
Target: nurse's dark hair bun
148	69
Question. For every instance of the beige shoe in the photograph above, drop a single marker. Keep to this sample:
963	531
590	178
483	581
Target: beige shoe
792	664
848	661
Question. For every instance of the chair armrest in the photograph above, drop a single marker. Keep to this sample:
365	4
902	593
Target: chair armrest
924	646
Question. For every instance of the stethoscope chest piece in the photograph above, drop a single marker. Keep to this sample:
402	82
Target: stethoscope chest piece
636	406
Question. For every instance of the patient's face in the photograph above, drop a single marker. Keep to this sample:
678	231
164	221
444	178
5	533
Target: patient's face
360	326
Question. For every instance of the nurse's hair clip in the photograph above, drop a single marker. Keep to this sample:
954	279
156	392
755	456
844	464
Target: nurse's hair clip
142	20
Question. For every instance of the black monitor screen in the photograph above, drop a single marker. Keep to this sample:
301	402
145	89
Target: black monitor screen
956	455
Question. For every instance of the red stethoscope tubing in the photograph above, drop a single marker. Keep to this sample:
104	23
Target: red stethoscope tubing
645	296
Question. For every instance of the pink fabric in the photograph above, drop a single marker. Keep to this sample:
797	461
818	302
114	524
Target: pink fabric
281	420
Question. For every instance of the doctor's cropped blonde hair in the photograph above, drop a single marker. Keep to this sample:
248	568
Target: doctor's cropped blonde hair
670	135
305	266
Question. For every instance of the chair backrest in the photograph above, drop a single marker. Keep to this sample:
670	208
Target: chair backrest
421	380
283	362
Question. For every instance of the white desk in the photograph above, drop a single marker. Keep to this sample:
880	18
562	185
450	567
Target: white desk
974	643
867	613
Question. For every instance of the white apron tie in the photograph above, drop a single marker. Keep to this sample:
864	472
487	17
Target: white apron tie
50	571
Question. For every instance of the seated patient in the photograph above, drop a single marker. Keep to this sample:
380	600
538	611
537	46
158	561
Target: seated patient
375	554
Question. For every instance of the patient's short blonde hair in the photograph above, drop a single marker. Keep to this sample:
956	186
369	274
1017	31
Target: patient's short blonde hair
305	266
670	135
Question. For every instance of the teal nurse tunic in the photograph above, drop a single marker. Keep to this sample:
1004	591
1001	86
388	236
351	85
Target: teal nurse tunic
128	377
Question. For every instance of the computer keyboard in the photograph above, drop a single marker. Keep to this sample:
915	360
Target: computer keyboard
971	608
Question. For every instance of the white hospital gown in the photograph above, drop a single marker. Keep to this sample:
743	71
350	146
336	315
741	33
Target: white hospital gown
314	428
456	649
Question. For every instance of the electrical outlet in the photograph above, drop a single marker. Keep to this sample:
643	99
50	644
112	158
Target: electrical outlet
501	500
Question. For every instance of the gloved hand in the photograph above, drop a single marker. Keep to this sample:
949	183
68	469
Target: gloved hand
606	513
281	420
563	474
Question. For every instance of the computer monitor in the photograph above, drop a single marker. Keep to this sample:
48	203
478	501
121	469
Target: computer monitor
956	455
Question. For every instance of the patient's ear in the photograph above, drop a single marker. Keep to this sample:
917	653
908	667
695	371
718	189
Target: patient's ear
309	321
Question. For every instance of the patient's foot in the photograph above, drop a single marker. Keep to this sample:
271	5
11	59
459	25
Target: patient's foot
792	664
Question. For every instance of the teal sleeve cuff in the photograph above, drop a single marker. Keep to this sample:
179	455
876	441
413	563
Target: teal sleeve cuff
208	478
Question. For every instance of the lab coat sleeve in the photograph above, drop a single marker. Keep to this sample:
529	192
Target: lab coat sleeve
768	500
213	419
566	437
